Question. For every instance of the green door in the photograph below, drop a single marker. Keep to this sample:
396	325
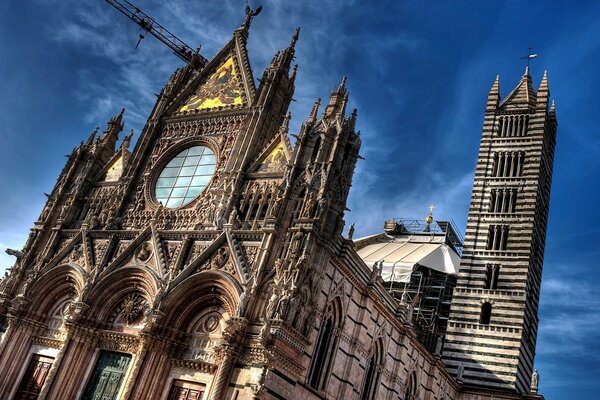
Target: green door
108	376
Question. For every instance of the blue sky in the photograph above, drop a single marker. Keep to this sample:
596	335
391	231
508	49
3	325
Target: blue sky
418	72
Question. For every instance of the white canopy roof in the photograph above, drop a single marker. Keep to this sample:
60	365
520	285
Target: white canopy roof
401	256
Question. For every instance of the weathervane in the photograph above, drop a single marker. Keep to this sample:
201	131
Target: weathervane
530	56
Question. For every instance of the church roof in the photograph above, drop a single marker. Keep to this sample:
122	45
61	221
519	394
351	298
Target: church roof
399	255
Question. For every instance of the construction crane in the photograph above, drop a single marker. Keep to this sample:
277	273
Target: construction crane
148	24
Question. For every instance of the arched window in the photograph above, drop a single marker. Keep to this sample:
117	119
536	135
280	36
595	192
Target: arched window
411	387
486	313
325	348
373	372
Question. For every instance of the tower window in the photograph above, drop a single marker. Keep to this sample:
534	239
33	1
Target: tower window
491	278
512	126
503	200
486	313
497	237
508	164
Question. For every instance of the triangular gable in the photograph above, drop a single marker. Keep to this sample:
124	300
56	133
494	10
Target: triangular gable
274	157
524	95
221	89
275	161
226	81
114	172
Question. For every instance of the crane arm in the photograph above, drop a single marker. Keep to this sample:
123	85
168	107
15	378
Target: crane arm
147	23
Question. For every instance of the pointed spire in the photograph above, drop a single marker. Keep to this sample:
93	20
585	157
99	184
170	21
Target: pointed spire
295	37
342	87
544	82
127	141
117	119
90	140
315	111
288	53
494	95
337	100
543	93
526	71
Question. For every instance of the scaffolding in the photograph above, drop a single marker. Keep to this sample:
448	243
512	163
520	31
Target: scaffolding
429	291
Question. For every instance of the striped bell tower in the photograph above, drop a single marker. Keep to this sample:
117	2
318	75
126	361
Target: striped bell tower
492	330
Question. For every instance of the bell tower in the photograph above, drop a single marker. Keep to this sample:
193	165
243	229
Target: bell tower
493	322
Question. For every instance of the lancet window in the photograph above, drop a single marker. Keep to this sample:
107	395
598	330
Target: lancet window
373	372
325	348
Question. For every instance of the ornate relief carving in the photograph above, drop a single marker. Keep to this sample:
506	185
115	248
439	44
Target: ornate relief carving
144	252
119	342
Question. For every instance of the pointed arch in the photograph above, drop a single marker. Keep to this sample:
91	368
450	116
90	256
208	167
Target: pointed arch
373	374
326	345
411	387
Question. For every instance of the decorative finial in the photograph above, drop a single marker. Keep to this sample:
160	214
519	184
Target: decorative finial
429	218
342	86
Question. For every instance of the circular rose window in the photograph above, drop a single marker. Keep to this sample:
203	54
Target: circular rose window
185	176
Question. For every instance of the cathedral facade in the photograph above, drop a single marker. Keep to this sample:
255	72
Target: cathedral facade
209	261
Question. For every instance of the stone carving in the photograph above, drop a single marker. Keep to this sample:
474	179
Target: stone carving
144	252
220	258
76	255
535	380
132	308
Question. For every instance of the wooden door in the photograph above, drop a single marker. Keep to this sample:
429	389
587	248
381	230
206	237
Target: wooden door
34	377
108	376
184	390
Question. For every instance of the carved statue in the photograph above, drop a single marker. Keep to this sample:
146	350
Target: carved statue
351	231
233	217
535	379
273	304
438	346
244	299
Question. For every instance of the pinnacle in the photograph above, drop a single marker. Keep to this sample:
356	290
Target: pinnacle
295	37
315	110
342	86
